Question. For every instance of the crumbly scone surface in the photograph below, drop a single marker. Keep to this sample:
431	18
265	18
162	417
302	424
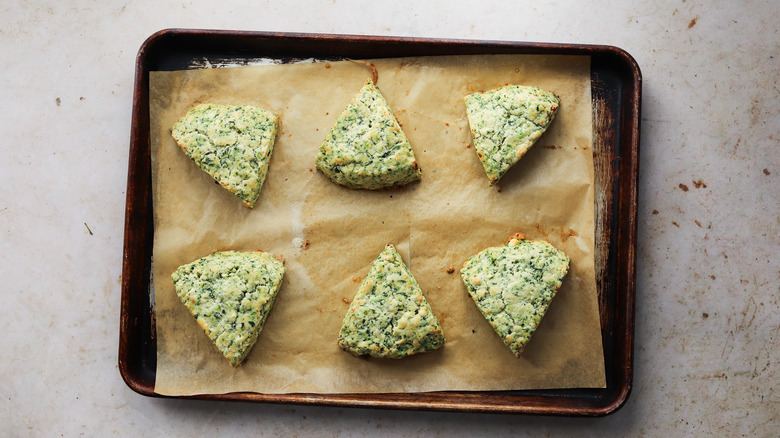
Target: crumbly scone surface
506	122
230	294
231	143
513	286
389	317
366	148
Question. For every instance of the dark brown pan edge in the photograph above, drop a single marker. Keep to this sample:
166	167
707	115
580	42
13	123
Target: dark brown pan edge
137	340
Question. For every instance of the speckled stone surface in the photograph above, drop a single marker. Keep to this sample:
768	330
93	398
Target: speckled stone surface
709	229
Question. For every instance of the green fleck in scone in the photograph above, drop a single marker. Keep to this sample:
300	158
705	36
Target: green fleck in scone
506	122
366	148
389	317
230	294
513	285
231	143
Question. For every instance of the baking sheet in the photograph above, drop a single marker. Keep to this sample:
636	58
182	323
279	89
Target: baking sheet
436	224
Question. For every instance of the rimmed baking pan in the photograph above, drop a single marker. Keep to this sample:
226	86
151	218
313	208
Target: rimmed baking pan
616	99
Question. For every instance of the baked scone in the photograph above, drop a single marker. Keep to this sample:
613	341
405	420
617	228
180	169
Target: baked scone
230	294
366	148
513	286
231	143
506	122
389	317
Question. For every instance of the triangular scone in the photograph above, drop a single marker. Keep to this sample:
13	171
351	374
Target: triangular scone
389	317
366	148
513	286
231	143
506	122
230	294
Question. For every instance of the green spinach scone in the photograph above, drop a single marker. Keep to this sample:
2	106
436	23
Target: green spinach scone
513	286
366	148
230	294
231	143
389	317
506	122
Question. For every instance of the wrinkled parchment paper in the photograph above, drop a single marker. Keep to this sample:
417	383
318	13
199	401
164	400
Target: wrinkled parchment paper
330	235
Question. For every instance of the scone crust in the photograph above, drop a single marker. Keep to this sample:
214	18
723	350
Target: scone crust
230	294
231	143
389	316
506	122
513	286
366	148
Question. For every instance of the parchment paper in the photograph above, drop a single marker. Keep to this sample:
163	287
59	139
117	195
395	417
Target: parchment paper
329	235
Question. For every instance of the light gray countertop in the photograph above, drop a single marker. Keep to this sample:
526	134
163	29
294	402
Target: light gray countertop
708	276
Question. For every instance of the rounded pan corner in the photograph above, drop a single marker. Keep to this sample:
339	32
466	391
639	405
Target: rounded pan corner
625	58
613	402
154	39
135	384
